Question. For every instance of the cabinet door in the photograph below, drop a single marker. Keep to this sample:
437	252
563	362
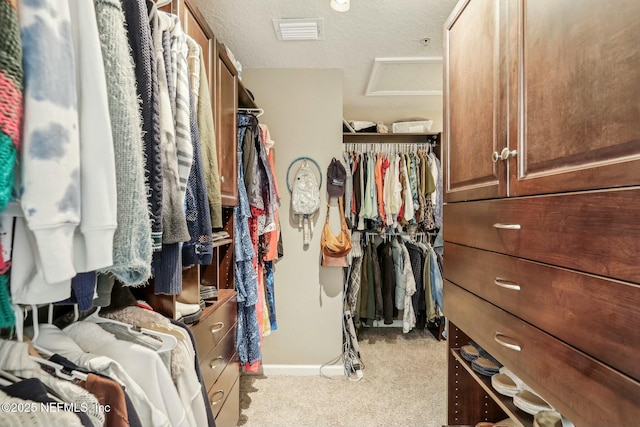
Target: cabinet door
578	95
226	127
475	107
197	29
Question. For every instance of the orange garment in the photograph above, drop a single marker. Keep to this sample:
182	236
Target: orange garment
380	186
108	392
271	238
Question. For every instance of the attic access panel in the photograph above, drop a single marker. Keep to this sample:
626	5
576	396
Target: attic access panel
406	76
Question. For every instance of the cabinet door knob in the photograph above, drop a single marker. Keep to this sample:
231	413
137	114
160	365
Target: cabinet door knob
217	327
506	153
216	362
221	178
503	343
218	392
507	226
506	284
495	156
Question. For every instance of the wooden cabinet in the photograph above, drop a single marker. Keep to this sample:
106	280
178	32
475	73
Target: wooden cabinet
474	109
538	97
226	112
215	332
215	335
541	151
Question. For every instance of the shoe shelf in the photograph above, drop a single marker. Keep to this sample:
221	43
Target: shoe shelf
222	242
521	418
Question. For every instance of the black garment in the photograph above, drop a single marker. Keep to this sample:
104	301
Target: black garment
378	280
141	42
388	282
198	250
33	389
207	404
365	278
371	294
417	257
357	191
132	415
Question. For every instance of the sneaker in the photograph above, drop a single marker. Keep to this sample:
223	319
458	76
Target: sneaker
208	292
188	313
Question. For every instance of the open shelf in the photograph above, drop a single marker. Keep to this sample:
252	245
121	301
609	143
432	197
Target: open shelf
222	242
521	418
244	99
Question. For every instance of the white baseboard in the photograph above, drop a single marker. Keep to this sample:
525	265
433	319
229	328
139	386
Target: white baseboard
303	370
380	324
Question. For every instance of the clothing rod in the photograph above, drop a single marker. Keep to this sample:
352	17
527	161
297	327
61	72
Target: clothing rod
388	148
258	111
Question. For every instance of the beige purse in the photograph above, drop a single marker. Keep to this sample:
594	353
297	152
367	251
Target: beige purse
335	248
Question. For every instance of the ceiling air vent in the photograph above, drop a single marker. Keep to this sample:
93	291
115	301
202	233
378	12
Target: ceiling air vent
299	29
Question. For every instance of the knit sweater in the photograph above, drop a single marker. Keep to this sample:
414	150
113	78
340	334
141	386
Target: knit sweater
132	241
10	96
174	224
198	250
209	148
141	42
37	417
179	70
14	359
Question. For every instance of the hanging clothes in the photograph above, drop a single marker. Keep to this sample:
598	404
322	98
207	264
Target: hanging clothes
246	278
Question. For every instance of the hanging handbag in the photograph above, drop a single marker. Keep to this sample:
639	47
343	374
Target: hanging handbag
335	248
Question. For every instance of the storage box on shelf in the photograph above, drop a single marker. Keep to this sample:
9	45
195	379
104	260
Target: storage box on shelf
541	198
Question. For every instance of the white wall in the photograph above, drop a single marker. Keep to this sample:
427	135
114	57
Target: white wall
303	109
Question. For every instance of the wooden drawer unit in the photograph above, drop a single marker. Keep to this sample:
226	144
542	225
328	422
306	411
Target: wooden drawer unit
220	390
580	309
228	415
214	363
595	232
216	322
583	389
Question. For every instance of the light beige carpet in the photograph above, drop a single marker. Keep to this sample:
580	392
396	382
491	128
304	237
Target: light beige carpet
404	384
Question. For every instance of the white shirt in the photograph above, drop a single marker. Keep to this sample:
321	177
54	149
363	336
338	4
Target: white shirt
143	364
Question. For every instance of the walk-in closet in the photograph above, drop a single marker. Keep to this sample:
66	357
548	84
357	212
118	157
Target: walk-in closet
331	213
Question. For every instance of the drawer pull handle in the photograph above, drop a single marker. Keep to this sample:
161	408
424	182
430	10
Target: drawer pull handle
506	226
497	336
506	153
216	362
217	327
505	284
221	393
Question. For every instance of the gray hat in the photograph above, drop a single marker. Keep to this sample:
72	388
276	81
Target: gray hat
336	176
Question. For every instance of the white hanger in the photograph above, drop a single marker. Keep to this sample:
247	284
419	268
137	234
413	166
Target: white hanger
75	375
36	332
169	342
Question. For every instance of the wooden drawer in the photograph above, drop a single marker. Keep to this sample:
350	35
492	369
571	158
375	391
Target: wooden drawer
585	390
595	232
215	324
221	389
218	358
598	316
230	410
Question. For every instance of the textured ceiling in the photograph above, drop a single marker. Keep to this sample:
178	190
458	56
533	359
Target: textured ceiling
372	28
